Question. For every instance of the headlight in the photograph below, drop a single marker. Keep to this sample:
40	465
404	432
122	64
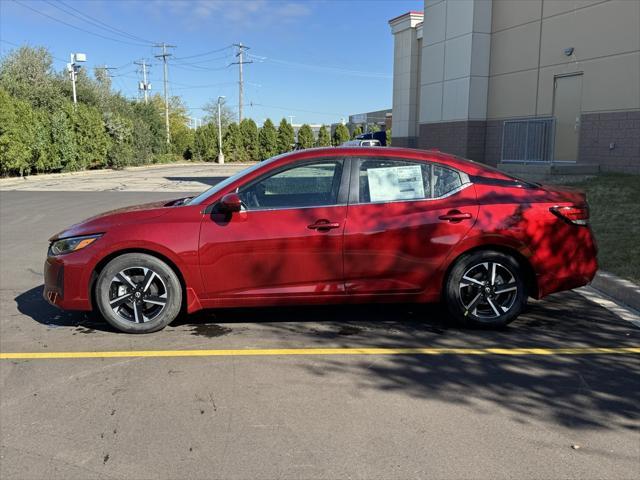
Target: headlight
71	244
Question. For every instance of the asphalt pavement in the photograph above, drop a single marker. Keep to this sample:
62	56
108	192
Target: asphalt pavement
567	411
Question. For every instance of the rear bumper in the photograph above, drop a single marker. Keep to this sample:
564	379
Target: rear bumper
575	264
62	285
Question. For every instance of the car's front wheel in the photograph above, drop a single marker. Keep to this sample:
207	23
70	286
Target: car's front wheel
486	288
138	293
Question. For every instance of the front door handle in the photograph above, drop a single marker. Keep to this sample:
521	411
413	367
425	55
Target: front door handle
323	225
455	216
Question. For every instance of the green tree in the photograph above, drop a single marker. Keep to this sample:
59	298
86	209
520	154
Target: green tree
92	141
249	134
356	131
373	127
64	151
120	130
305	136
15	135
181	134
26	73
388	137
340	135
232	145
286	136
41	131
205	143
324	138
268	140
150	134
227	115
41	159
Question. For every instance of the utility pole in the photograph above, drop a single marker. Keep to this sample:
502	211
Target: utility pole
106	69
291	117
72	68
220	154
164	55
144	85
240	62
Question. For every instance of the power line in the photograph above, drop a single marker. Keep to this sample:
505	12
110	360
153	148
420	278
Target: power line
322	68
19	46
203	86
277	107
204	54
67	10
99	23
197	68
78	28
200	62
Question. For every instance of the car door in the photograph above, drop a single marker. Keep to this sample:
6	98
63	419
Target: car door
286	241
404	218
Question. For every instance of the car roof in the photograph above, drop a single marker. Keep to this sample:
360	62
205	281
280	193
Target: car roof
467	166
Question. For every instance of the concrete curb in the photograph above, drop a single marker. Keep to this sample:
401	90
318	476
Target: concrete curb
619	289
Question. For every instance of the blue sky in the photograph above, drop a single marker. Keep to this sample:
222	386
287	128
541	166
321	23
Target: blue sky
316	60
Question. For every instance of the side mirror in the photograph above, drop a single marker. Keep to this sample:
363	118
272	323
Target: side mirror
231	203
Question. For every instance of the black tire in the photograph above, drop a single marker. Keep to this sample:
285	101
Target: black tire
460	294
138	310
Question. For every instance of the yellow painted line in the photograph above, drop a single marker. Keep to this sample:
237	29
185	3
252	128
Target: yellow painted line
323	351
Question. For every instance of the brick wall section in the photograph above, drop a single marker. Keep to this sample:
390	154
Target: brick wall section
405	142
493	142
599	130
482	140
466	138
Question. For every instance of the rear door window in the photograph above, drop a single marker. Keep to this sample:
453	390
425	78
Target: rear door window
384	180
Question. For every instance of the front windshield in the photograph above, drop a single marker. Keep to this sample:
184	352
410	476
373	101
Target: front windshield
228	181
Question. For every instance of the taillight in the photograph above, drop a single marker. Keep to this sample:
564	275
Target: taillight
578	215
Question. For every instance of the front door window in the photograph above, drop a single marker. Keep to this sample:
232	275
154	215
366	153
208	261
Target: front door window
308	185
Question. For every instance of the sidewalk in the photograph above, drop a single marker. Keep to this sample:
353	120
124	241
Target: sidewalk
182	177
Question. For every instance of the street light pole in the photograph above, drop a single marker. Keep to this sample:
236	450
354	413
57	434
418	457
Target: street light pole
73	68
220	154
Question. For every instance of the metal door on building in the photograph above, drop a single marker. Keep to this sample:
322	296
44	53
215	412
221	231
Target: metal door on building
567	105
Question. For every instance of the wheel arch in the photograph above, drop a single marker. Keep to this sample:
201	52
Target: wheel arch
529	273
104	261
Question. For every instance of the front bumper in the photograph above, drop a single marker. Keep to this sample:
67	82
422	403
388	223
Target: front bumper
63	284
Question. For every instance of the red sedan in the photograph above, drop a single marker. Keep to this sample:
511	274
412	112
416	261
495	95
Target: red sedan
331	225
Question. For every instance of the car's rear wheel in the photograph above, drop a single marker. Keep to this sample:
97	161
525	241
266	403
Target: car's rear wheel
486	288
138	293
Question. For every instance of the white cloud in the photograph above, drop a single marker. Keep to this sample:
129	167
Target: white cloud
239	12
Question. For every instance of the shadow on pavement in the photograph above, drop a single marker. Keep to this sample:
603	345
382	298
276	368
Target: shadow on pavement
204	180
32	304
576	391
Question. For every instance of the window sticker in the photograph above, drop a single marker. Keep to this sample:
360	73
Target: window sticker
395	183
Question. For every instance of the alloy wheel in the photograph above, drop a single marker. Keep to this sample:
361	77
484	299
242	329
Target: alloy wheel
137	294
488	290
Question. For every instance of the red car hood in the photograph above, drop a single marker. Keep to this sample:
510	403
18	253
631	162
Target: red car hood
121	216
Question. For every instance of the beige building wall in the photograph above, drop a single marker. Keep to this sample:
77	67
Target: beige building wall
455	60
406	71
527	52
472	64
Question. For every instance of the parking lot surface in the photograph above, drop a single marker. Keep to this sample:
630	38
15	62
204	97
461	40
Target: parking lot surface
462	409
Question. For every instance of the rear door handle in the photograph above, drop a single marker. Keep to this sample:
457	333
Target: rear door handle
455	216
323	225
